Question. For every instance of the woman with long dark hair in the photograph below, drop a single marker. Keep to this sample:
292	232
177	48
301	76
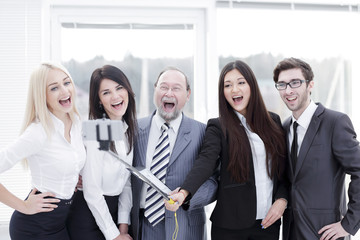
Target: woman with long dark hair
249	144
106	199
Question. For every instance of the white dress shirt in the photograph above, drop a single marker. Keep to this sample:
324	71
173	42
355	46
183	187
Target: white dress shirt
154	134
54	162
102	175
264	184
303	121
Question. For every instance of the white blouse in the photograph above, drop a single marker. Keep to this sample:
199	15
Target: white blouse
264	184
102	175
54	162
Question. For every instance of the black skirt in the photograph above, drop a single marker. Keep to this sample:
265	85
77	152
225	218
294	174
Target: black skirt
81	224
41	226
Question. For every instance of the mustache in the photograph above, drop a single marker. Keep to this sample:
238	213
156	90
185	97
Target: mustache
169	99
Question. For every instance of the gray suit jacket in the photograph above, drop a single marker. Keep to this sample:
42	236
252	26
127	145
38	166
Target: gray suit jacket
187	146
317	194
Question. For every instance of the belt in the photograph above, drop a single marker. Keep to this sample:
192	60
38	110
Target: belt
63	202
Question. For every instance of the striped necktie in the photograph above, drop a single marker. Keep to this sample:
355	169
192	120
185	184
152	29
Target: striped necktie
154	204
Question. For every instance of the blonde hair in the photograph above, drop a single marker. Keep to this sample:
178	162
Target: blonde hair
36	106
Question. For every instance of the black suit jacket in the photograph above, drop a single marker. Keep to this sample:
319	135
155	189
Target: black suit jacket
236	202
317	197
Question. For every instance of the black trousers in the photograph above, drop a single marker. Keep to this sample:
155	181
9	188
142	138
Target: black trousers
41	226
81	224
255	232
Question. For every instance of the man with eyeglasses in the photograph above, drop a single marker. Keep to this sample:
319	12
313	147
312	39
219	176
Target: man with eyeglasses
168	143
322	149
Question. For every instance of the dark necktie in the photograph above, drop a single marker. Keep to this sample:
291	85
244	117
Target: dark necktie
294	146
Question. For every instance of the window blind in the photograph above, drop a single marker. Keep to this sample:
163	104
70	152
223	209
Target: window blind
20	51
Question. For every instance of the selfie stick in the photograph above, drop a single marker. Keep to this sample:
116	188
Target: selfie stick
104	142
105	146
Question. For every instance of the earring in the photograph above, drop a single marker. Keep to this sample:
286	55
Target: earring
101	107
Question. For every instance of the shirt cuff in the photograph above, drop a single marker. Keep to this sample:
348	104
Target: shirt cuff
124	217
111	232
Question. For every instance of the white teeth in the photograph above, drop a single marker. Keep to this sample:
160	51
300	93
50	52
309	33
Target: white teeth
115	104
292	98
65	99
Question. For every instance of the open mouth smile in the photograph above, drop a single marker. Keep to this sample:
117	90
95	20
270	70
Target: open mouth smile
291	99
237	99
66	102
168	106
117	105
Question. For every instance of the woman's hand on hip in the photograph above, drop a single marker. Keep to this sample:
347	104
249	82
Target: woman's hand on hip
36	203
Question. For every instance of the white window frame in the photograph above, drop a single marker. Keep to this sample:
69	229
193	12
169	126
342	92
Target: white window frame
199	14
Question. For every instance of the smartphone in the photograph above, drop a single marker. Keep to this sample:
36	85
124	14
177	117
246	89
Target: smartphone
102	130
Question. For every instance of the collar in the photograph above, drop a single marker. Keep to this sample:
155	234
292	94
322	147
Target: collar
305	118
174	124
58	124
242	120
125	126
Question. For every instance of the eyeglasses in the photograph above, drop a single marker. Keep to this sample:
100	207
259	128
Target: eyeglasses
165	88
295	83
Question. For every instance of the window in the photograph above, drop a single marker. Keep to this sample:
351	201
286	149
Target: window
141	41
140	53
327	40
324	36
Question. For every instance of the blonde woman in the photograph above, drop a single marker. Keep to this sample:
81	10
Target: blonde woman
51	143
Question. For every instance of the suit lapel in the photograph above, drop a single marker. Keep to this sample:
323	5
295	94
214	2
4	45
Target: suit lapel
142	141
182	139
309	137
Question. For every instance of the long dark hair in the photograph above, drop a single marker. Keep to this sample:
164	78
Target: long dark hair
96	111
260	122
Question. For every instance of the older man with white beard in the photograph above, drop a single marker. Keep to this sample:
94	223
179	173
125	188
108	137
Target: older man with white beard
181	139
